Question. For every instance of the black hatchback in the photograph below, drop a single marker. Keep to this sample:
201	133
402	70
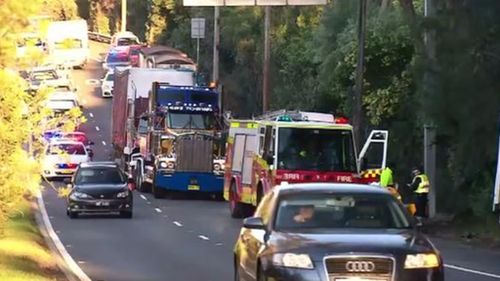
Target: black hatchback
99	187
334	232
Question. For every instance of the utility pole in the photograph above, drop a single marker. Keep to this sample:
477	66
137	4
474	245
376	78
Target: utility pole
267	56
429	129
124	16
215	68
358	91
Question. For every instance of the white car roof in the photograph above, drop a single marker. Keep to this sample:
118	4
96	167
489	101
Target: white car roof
63	95
64	141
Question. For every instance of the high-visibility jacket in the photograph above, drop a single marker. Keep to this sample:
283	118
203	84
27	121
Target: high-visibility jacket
386	178
424	184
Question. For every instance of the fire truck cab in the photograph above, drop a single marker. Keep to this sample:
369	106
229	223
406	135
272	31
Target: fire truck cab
295	147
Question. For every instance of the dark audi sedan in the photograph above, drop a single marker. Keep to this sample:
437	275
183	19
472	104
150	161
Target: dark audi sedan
334	232
99	187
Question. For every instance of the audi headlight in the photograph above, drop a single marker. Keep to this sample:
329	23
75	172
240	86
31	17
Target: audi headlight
122	194
293	260
421	261
171	165
163	165
80	195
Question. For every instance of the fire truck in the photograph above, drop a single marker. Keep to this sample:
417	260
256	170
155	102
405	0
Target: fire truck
295	147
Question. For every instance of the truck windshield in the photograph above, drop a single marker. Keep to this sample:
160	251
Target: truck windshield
191	121
316	149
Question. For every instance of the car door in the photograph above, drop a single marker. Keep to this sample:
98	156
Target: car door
373	156
253	240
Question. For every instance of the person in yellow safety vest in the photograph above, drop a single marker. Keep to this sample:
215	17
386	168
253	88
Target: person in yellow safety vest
420	186
386	179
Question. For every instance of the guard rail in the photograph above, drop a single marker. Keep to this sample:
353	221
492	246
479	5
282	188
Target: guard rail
94	36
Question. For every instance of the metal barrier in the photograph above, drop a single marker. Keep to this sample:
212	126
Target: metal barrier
94	36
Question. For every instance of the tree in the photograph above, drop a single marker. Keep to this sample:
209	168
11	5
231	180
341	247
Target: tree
61	9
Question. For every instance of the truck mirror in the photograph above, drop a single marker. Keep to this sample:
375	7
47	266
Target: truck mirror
270	159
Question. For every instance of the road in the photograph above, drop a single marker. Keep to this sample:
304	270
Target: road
183	239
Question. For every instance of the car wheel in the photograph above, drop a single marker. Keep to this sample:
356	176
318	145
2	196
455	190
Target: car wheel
157	192
72	215
236	208
236	271
261	276
126	214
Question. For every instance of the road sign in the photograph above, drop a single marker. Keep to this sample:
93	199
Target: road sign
197	28
211	3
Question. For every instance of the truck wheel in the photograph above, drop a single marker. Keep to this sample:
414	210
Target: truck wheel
157	192
237	209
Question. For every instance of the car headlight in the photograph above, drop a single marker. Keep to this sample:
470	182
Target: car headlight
163	165
217	167
122	194
80	195
421	261
171	165
293	260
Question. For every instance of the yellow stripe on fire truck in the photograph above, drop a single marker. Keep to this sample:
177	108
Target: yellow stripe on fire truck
372	173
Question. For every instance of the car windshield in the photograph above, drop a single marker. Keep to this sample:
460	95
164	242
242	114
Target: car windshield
339	211
110	77
61	88
191	121
68	43
316	149
126	41
43	75
61	104
66	148
117	58
99	175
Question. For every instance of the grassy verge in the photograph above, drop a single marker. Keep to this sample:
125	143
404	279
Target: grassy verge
23	254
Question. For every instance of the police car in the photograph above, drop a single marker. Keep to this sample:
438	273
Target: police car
62	157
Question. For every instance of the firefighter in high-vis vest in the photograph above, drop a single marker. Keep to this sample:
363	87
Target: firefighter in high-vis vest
387	181
420	186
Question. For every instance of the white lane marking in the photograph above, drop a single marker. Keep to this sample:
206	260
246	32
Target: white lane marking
218	244
149	203
68	246
70	262
203	237
103	143
91	115
143	197
472	271
97	128
158	210
177	223
81	262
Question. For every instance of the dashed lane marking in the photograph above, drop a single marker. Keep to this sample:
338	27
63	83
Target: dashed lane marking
203	237
158	210
472	271
218	244
91	114
97	128
143	197
177	223
103	143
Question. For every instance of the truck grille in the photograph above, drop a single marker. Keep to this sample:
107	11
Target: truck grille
369	268
194	153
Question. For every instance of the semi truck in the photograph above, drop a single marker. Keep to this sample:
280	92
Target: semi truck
179	141
132	87
68	43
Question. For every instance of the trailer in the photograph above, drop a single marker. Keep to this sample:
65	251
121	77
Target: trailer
68	42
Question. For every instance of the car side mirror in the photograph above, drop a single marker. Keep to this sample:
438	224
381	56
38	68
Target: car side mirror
67	181
91	153
419	223
75	90
253	223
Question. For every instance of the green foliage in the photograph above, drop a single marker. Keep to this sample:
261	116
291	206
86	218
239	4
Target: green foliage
60	9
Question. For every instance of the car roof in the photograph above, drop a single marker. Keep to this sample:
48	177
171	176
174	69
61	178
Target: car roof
284	189
99	164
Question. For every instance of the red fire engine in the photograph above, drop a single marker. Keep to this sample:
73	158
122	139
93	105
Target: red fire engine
295	147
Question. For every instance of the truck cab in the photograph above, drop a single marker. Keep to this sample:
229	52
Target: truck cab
179	140
293	147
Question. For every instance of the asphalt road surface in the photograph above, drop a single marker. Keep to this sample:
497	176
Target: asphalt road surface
182	239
